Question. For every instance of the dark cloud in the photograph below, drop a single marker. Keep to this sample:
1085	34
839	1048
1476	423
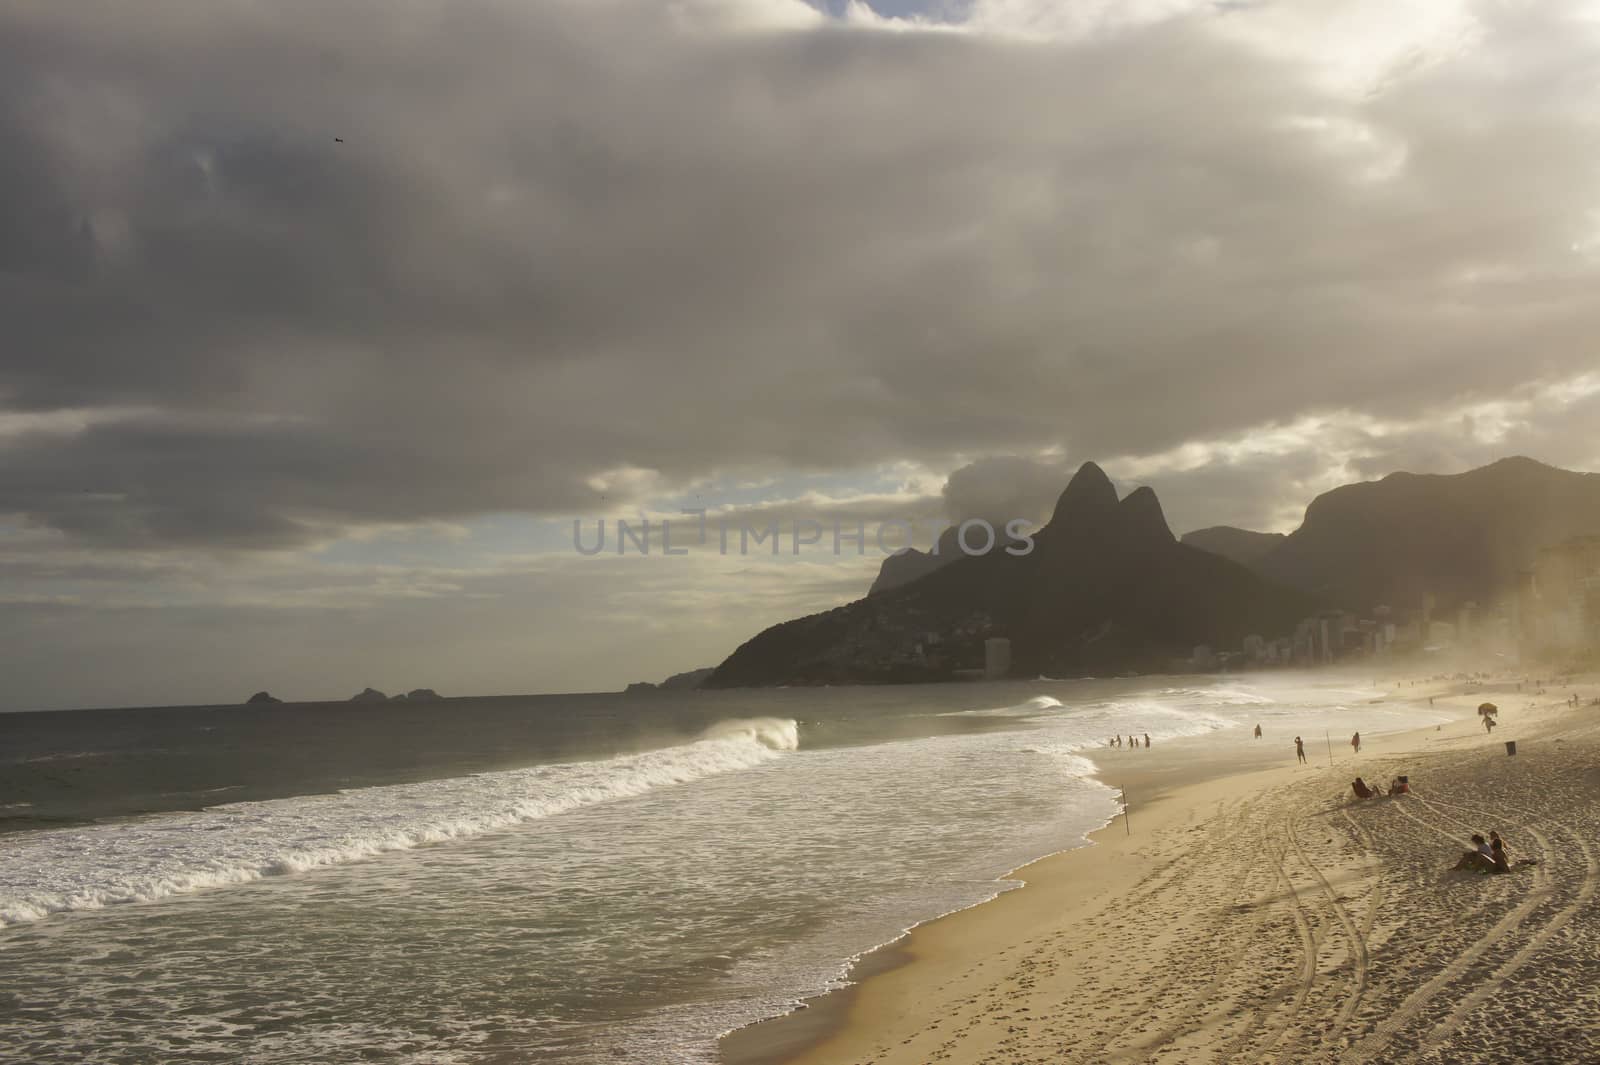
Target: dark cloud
1001	488
563	238
574	257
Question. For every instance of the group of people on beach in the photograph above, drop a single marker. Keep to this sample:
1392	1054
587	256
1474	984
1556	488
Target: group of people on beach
1489	856
1397	786
1300	745
1133	741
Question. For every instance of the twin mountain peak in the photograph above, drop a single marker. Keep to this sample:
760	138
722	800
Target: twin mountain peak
1108	587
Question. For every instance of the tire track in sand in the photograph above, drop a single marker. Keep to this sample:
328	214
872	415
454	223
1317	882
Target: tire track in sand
1534	943
1459	967
1301	986
1360	961
1296	986
1204	998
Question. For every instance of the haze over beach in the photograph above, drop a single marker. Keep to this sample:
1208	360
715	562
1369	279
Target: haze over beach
778	531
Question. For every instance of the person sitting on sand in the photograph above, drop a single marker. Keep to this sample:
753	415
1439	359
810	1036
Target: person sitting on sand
1399	786
1359	786
1501	856
1498	845
1479	859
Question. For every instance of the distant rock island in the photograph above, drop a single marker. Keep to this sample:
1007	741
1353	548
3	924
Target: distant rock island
260	698
373	695
688	681
1106	587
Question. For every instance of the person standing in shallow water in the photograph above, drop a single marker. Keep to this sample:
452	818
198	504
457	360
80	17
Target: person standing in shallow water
1258	732
1355	743
1300	749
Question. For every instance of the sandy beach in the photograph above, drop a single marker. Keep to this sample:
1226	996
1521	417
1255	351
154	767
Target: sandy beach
1244	913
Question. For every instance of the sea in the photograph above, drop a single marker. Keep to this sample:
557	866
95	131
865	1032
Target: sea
574	879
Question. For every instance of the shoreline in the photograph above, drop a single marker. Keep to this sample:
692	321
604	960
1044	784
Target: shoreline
886	1008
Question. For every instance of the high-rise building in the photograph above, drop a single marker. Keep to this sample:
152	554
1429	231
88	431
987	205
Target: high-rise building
996	658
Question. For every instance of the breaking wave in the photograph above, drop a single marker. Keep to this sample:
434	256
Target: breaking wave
1037	705
59	870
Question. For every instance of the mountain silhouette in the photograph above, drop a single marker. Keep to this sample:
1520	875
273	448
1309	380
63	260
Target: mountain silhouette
1460	537
912	564
1241	545
1106	586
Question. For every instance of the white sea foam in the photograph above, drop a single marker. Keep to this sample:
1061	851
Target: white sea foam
1220	696
172	854
701	908
1037	705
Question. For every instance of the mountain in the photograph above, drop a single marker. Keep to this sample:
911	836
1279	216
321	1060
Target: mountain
1459	537
910	565
1105	586
1241	545
687	681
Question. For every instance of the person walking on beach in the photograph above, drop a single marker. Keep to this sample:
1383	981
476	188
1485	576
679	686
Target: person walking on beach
1300	749
1147	739
1258	732
1355	743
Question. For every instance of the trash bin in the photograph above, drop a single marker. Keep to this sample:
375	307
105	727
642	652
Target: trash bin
1511	747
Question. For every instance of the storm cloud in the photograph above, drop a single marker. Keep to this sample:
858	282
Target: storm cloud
275	276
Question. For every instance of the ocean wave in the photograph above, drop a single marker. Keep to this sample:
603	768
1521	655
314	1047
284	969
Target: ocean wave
60	870
1221	696
1036	705
1068	758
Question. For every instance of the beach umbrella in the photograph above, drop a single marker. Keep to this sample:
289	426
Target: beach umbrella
1488	708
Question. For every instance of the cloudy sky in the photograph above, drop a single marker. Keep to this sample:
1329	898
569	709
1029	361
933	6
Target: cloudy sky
283	411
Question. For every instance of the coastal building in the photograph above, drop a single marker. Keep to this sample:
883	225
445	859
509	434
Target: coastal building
1588	612
996	658
1556	608
1307	649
